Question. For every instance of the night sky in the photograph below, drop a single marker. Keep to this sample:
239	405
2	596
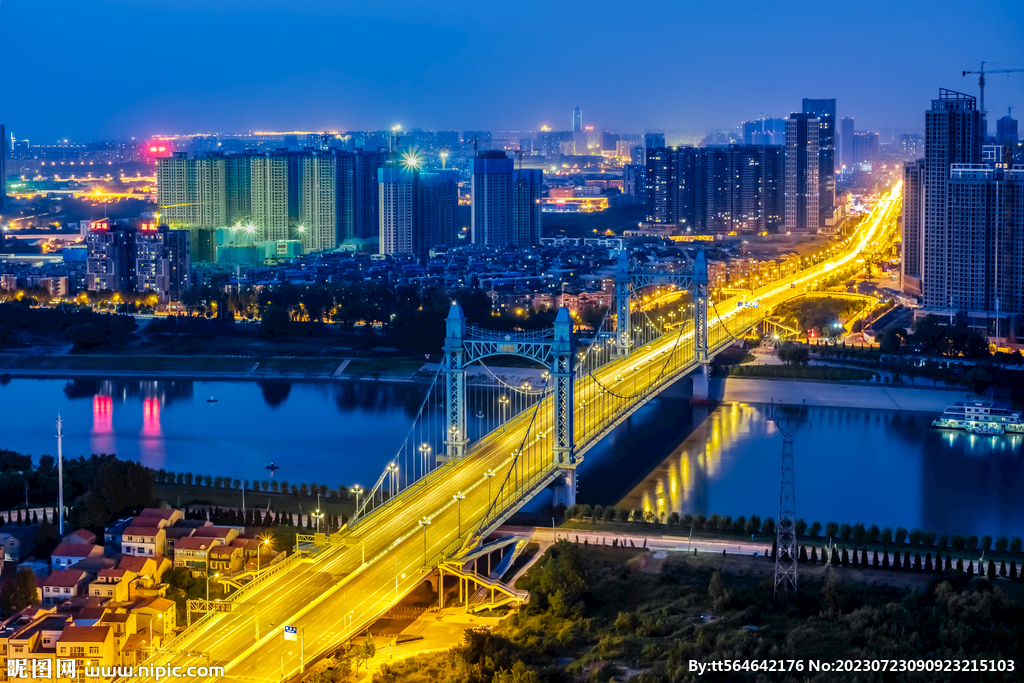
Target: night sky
110	68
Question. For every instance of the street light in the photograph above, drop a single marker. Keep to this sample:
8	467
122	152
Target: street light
504	402
424	523
393	469
489	474
425	452
318	515
358	490
459	497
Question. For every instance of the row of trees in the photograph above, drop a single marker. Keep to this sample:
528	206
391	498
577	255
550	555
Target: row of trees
266	485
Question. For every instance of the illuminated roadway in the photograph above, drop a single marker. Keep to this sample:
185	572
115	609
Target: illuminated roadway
334	595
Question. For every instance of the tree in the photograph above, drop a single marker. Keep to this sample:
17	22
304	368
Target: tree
815	529
19	592
891	340
900	536
831	529
832	594
517	674
991	570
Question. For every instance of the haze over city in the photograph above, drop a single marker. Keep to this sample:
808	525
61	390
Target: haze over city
230	66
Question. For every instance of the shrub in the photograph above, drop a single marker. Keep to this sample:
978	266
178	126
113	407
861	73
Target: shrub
986	543
1015	545
831	530
900	536
609	514
1001	544
972	542
887	535
874	533
915	537
815	529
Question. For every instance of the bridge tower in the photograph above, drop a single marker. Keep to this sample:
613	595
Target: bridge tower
623	335
455	440
562	354
700	327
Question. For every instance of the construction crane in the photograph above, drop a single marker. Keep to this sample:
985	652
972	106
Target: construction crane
981	81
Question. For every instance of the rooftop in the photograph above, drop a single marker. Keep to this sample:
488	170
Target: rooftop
66	549
84	634
63	578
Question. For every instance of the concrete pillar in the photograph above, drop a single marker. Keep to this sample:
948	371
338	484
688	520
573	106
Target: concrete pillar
565	488
700	384
562	371
700	328
454	372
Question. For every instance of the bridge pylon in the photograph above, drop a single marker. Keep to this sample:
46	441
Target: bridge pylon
455	437
700	327
563	375
623	336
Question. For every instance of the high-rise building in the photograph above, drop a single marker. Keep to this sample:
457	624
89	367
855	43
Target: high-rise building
633	183
192	192
912	146
317	223
160	262
986	235
577	120
865	150
3	167
825	111
659	187
951	137
397	205
1006	131
270	200
801	183
492	199
418	209
527	188
549	143
654	140
912	227
846	142
108	267
238	186
358	188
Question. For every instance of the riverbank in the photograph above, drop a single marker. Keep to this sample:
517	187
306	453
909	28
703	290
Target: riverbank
835	394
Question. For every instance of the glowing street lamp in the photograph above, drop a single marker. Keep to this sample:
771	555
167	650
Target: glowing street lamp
424	523
425	452
459	497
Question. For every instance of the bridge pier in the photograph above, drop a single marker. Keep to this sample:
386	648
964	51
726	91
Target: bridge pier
701	382
565	488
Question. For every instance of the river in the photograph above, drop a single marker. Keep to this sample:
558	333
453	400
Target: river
884	467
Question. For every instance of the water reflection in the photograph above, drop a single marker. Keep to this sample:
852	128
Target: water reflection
275	393
152	451
873	466
103	437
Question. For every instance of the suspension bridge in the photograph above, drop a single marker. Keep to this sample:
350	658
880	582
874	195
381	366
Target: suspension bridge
478	451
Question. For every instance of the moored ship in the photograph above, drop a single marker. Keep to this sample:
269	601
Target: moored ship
980	417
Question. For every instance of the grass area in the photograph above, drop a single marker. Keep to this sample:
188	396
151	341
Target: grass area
184	495
598	614
814	372
390	367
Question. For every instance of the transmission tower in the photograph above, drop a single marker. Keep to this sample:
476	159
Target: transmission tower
785	533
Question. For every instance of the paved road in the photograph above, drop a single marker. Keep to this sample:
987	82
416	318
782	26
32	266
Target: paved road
334	595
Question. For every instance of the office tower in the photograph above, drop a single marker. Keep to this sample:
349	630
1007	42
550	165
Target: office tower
865	150
986	232
654	140
317	221
238	187
396	197
357	193
609	141
825	111
846	142
527	184
951	137
1006	131
3	167
108	266
801	184
912	227
160	261
270	200
577	120
492	199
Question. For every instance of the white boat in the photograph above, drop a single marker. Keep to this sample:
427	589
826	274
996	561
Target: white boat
980	417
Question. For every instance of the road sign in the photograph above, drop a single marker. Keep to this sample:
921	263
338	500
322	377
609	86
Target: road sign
290	633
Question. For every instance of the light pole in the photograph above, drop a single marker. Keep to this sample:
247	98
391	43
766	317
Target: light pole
60	478
393	469
318	515
396	578
425	453
424	523
489	474
459	497
358	490
504	403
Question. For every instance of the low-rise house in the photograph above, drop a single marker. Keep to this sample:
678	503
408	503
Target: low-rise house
192	553
82	536
18	541
158	615
226	559
123	623
87	645
143	541
61	585
67	554
112	584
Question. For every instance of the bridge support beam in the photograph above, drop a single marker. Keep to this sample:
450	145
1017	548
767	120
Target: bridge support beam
455	440
565	488
623	335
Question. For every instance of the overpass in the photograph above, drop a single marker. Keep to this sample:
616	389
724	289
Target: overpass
473	456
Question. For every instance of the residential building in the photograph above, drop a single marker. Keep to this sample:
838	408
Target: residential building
112	584
527	191
109	261
238	189
865	150
318	223
92	645
952	136
3	171
912	227
193	553
398	186
357	193
18	541
654	140
270	196
158	615
142	540
62	585
801	174
67	554
825	112
161	262
491	193
1006	131
192	192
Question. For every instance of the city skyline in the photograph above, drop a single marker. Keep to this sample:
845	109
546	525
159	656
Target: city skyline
447	68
